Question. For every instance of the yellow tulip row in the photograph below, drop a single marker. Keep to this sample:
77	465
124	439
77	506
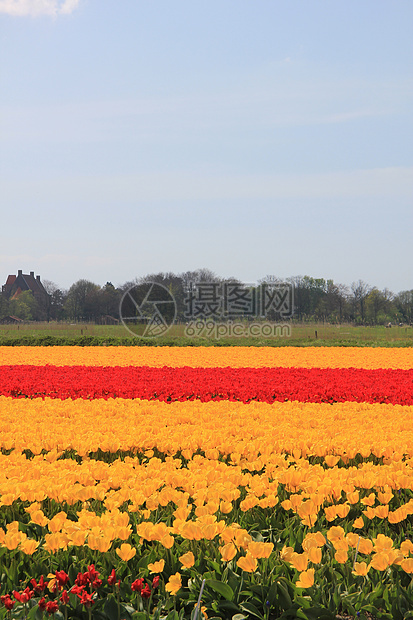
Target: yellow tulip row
207	486
384	555
207	357
255	435
100	533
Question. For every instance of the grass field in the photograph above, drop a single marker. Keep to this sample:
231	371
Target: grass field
302	334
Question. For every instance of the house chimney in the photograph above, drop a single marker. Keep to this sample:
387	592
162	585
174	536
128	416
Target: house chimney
19	273
38	278
32	274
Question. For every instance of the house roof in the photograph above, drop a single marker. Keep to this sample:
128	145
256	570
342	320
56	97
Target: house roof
24	282
10	280
33	284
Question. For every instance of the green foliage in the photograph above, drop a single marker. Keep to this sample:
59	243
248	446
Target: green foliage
24	306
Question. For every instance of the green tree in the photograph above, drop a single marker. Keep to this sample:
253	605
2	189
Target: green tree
25	306
83	301
404	305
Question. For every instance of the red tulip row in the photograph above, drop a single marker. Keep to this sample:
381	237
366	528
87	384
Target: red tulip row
235	384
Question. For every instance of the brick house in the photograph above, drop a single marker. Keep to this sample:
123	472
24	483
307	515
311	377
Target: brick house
15	285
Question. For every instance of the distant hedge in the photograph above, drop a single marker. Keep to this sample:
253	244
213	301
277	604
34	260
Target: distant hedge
102	341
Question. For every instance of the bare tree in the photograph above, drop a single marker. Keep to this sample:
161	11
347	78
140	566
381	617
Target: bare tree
360	292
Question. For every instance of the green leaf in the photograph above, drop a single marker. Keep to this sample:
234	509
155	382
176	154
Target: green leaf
396	613
246	593
215	566
315	613
33	613
284	597
239	617
222	588
272	594
111	608
228	606
251	609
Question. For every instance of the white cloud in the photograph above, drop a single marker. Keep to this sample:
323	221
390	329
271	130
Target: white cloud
33	8
68	6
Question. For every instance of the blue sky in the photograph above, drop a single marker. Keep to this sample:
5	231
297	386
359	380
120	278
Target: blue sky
249	137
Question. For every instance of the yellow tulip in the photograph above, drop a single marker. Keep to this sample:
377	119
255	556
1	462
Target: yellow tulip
353	498
225	507
157	567
39	517
406	547
174	584
365	546
286	553
314	555
29	546
341	556
11	540
361	569
228	552
335	533
187	560
306	579
299	561
126	552
247	563
260	549
407	565
380	561
54	542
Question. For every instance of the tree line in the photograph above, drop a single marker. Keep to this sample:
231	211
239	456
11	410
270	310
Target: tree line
315	299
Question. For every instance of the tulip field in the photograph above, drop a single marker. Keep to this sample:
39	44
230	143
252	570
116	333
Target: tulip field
168	483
